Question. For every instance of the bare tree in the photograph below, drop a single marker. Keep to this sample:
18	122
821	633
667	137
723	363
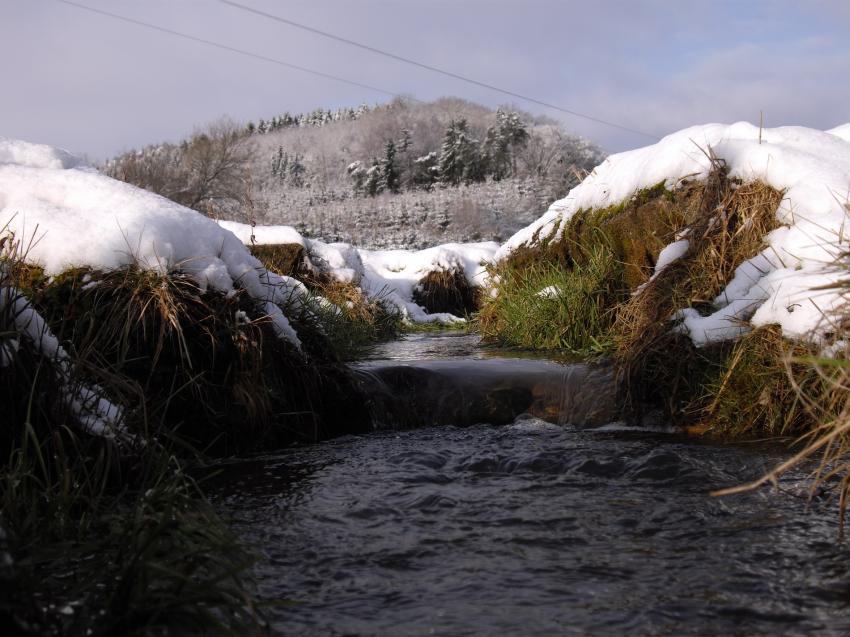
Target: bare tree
207	172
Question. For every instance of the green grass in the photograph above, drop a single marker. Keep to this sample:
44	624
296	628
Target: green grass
576	314
343	324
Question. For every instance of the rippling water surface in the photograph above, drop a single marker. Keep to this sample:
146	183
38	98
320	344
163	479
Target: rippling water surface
534	529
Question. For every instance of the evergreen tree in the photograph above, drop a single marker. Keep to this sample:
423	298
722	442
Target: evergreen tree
512	134
280	164
424	171
297	171
389	172
405	142
449	166
459	157
357	174
372	186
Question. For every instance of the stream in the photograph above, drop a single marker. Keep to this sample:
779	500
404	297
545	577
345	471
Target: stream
531	527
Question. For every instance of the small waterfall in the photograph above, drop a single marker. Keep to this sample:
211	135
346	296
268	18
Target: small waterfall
462	392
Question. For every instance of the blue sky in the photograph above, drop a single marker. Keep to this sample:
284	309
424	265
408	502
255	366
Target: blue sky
98	86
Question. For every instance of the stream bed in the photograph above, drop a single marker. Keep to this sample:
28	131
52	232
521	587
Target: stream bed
533	528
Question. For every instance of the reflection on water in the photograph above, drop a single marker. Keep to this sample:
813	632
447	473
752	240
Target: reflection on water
449	344
534	529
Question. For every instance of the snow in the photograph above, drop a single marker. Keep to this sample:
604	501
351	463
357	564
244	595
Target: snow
263	235
550	292
670	254
389	274
811	167
68	214
842	131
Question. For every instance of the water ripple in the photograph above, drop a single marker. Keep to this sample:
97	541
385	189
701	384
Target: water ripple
532	529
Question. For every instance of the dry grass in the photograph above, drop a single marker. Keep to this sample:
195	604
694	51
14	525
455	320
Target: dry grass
821	387
213	373
728	222
762	390
446	290
828	434
355	322
287	258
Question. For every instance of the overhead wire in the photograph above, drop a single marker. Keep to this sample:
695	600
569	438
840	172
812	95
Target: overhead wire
422	65
337	78
227	47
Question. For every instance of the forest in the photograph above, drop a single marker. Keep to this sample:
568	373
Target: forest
404	174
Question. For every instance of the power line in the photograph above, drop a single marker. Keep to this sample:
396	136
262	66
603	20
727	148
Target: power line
428	67
226	47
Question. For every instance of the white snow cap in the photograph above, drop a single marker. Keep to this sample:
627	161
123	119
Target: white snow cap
811	167
263	235
70	215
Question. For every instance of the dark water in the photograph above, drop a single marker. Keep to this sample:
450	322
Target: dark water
535	529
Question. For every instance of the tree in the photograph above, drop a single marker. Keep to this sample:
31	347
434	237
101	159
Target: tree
357	173
297	171
389	173
207	172
501	144
405	141
425	171
372	185
453	153
280	164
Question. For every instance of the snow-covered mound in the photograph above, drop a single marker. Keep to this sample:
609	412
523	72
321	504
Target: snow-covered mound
779	285
391	274
67	214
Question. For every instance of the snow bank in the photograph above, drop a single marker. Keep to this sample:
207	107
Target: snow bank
389	274
70	215
777	286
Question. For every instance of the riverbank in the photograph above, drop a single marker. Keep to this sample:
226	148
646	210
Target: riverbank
140	340
711	268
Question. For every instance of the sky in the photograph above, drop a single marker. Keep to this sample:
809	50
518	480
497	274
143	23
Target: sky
98	86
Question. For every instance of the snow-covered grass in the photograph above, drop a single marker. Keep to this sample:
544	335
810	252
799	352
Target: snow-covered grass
811	168
737	323
392	275
70	215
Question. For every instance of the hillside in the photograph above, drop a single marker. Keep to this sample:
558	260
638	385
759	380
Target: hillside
402	174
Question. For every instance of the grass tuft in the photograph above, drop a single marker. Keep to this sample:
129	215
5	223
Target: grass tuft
446	290
550	306
97	536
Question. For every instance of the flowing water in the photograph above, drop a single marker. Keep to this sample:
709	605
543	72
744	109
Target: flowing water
533	528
